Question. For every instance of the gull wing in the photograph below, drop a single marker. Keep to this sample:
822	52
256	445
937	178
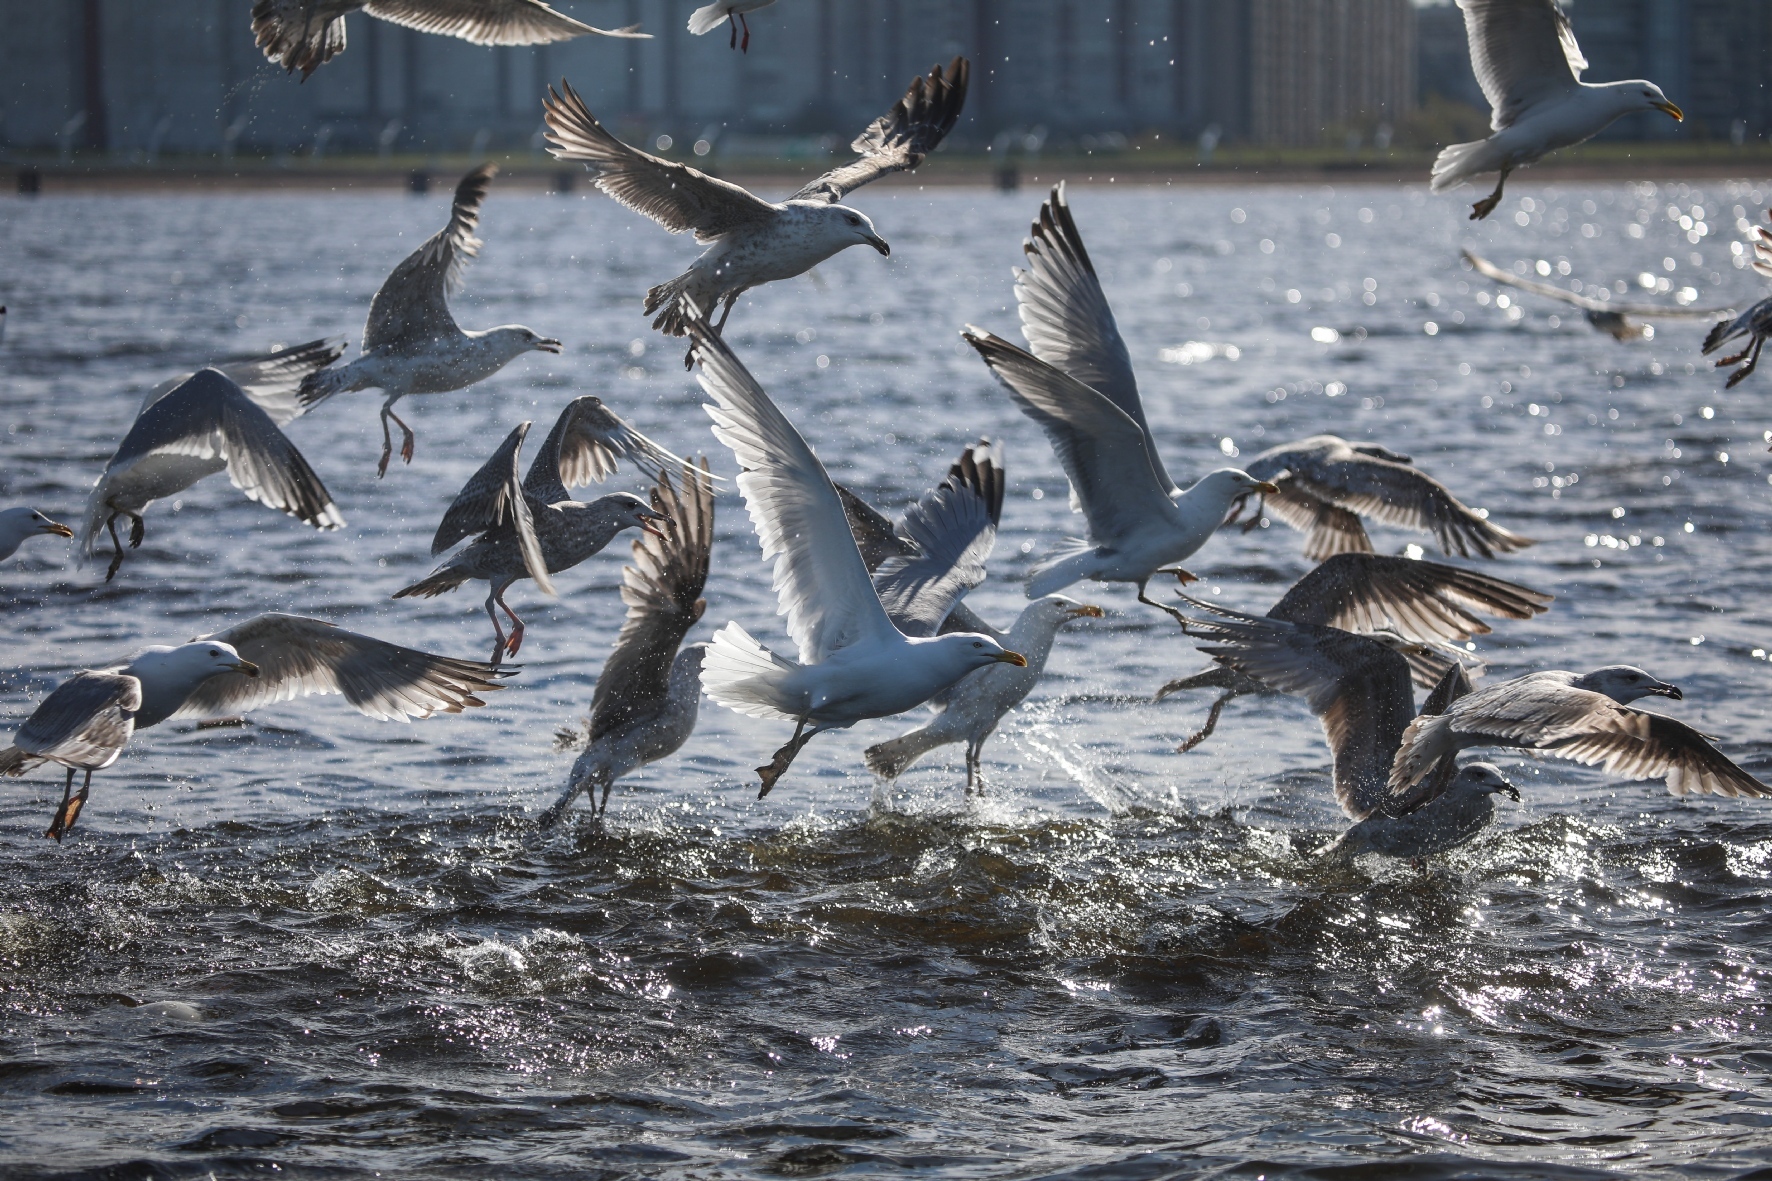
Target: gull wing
820	582
1358	689
1066	318
291	34
300	657
493	498
209	417
490	22
1103	451
951	532
1550	291
1523	53
663	591
902	137
587	441
874	535
271	379
413	305
675	196
1328	529
1429	600
1638	744
85	722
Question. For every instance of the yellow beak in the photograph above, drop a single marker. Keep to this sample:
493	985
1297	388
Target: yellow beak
247	667
1015	658
1267	489
55	530
1679	115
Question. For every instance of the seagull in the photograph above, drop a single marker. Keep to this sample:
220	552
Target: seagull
1755	323
749	240
1613	318
854	663
709	17
1137	529
306	34
85	723
204	425
533	528
411	343
1587	718
944	540
645	703
17	524
1326	484
1359	689
1525	57
1415	608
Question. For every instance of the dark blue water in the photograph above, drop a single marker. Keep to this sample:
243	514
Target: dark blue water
335	947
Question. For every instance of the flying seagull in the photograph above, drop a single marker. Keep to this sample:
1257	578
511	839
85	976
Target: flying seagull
85	723
204	425
1586	718
1415	608
749	240
18	524
1327	484
1755	323
1359	690
854	663
411	342
306	34
1615	318
709	17
531	528
645	703
1525	57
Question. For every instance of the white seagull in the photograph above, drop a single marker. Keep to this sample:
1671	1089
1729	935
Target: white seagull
709	17
411	342
306	34
647	696
751	241
85	723
531	528
1525	57
1616	318
204	425
1586	718
853	662
18	524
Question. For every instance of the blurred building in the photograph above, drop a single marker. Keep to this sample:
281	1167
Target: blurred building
183	76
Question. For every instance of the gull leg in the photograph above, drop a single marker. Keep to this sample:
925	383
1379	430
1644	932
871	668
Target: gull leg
516	640
1753	359
137	527
720	328
745	45
778	765
498	631
974	769
117	557
1150	602
1738	358
557	810
1487	205
732	41
69	812
603	804
1205	732
387	445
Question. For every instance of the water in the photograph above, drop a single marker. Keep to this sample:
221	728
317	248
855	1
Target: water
338	946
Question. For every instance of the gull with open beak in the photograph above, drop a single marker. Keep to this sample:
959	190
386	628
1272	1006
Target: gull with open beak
19	524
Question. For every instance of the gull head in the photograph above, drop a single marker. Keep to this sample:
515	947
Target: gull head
41	524
539	343
513	340
1625	684
850	227
1480	778
967	651
1646	96
16	524
1232	484
187	666
630	510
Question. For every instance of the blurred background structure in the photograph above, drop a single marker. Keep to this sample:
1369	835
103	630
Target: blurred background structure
134	79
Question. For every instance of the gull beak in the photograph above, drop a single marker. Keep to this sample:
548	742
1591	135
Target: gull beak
1085	611
1266	488
651	515
1015	658
548	344
879	243
1669	691
1678	115
1509	790
55	529
247	667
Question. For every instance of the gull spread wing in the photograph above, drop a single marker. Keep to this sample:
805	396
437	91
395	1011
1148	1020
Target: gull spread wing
587	441
413	304
1429	600
874	535
820	581
493	498
490	22
1550	291
272	379
85	722
902	137
1357	687
1523	52
675	196
293	35
1328	529
299	657
1066	318
663	590
209	417
951	532
1101	448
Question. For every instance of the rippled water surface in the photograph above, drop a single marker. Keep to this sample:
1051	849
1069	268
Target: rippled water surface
339	947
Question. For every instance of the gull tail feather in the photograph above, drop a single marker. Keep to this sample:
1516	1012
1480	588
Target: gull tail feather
320	385
1460	162
14	761
1725	330
674	312
1074	562
437	582
890	758
707	18
745	677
